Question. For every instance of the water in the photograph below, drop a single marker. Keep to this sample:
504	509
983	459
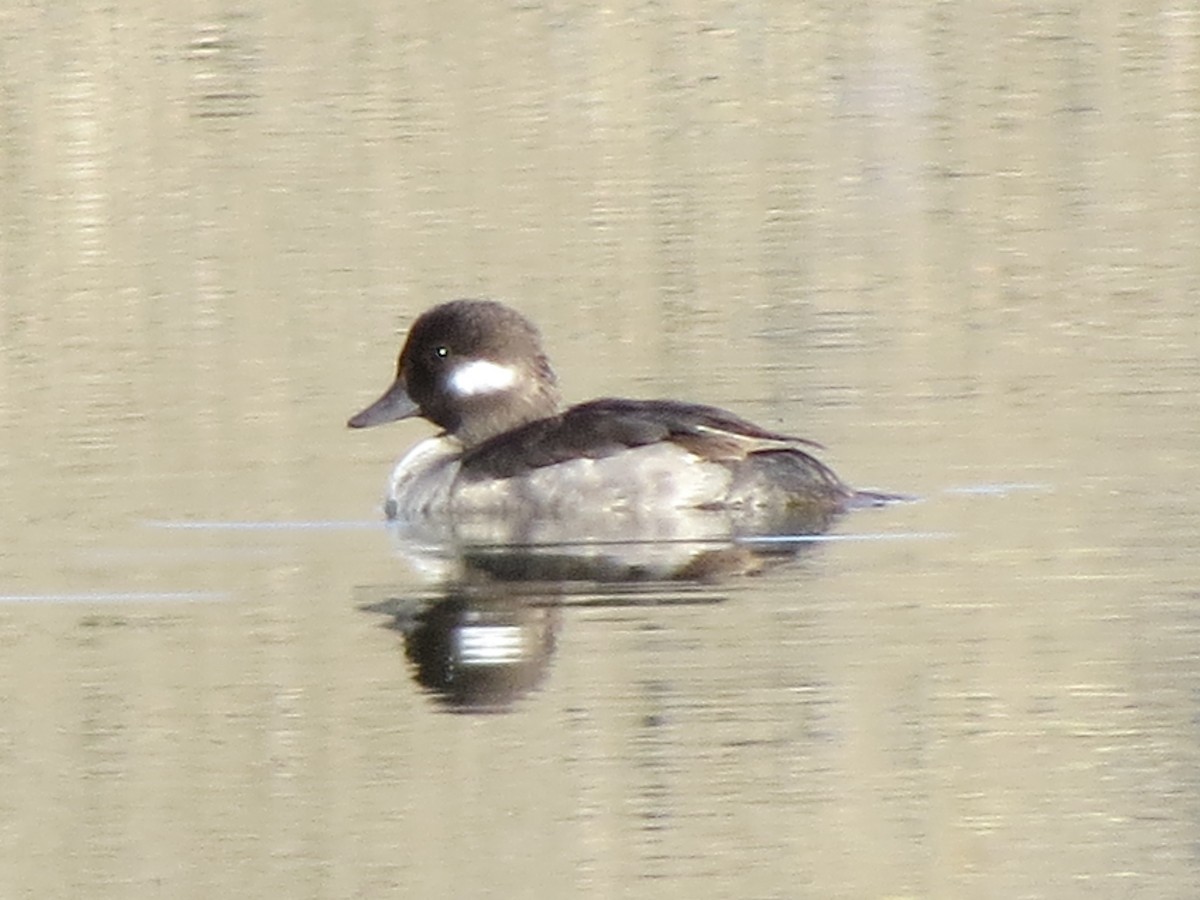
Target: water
955	244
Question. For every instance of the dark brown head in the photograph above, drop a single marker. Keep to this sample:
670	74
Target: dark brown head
474	367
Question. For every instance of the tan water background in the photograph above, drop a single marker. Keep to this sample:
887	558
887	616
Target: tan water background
957	243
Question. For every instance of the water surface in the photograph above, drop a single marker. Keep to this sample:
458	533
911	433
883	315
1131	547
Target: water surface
955	244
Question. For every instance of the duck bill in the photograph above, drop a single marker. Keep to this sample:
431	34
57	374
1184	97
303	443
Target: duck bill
395	404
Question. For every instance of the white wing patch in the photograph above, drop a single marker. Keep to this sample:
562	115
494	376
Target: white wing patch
481	376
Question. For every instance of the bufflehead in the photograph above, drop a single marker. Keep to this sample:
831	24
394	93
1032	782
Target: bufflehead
476	368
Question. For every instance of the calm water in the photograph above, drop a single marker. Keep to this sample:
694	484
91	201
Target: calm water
954	243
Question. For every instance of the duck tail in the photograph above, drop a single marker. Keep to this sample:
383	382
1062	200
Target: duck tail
863	499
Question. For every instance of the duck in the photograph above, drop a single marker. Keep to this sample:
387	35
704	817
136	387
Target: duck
507	446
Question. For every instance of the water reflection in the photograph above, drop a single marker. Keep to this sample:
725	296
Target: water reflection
477	654
485	636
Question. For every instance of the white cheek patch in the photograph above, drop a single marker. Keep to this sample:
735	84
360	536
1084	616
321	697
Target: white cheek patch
481	376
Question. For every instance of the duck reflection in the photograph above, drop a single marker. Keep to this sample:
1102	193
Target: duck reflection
485	635
476	654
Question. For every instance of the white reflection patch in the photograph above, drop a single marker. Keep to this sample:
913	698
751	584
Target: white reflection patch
481	376
490	645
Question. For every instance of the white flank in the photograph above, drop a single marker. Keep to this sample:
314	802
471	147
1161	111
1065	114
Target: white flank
481	376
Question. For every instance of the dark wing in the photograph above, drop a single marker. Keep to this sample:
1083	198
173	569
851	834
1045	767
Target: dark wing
602	428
